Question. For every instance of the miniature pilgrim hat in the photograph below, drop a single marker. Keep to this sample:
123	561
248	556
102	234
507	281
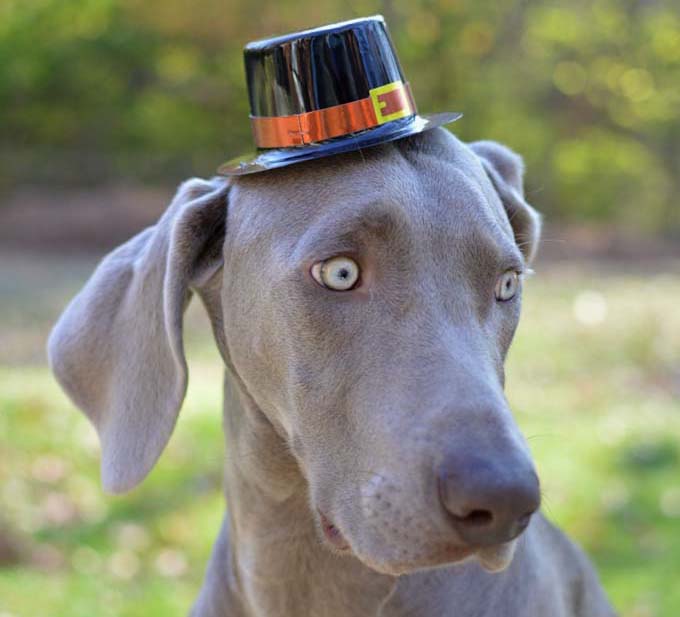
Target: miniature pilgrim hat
325	91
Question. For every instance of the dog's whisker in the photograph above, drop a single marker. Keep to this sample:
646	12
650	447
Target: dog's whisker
543	435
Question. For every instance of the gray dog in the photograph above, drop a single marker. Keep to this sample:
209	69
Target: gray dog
363	305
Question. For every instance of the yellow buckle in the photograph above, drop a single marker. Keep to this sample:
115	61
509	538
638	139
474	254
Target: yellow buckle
392	98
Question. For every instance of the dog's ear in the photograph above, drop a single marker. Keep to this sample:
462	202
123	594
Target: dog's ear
117	350
505	169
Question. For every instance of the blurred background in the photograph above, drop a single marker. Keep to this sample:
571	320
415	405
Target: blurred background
106	105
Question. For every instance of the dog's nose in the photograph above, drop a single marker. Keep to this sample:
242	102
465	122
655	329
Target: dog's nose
489	502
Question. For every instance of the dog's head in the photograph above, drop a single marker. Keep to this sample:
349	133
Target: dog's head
365	304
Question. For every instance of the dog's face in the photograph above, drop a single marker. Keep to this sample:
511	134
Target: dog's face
368	308
367	305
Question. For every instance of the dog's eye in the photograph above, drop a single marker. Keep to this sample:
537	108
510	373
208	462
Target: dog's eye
338	273
507	285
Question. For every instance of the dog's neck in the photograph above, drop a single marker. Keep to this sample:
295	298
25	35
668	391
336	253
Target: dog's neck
279	563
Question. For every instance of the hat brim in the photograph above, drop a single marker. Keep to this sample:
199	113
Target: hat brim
264	160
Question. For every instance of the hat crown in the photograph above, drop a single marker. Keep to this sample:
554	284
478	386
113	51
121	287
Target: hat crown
327	91
319	68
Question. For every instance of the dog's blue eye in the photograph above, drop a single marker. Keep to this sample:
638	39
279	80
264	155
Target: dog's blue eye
338	273
507	286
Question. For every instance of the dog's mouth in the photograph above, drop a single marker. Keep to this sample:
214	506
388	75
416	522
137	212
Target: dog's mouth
333	535
495	558
498	557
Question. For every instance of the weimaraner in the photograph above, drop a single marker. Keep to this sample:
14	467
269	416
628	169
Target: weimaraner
363	305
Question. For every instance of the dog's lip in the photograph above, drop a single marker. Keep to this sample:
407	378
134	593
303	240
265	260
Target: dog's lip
496	558
333	534
493	557
447	555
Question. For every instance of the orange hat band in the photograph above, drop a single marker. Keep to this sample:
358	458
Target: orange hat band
384	104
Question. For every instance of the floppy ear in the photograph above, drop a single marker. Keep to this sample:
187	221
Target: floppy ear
505	169
117	350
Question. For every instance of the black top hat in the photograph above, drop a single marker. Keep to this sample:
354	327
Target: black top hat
325	91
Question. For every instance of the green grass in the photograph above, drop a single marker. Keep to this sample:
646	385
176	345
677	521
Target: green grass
594	377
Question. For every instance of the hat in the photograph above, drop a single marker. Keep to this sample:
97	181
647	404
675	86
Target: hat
326	91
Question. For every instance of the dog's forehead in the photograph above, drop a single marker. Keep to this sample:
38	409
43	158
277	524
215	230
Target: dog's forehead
434	180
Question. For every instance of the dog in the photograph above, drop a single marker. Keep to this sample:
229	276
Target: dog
363	306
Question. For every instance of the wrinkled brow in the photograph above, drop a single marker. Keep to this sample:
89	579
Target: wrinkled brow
348	230
486	247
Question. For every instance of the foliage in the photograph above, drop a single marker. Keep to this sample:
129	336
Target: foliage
592	377
92	90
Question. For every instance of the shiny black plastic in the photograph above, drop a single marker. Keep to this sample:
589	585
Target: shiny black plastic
319	68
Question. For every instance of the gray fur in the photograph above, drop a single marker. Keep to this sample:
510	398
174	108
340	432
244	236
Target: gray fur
342	403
